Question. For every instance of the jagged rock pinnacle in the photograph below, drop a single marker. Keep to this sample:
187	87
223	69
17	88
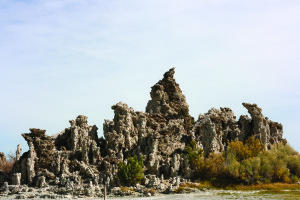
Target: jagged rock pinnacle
167	99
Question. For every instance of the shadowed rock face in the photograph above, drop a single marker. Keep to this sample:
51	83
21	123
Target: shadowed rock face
160	134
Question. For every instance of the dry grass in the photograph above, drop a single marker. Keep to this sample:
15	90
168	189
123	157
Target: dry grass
269	186
232	186
279	194
186	187
268	191
276	194
7	166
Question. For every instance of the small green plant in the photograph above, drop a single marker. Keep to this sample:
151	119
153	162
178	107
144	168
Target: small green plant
132	172
194	154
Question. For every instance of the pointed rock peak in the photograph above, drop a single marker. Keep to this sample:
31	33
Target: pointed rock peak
167	99
170	74
253	110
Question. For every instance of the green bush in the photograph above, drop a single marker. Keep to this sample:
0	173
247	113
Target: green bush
231	165
132	172
250	170
194	154
293	164
266	170
279	164
294	179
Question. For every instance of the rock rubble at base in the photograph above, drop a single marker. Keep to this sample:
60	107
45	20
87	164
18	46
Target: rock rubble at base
76	162
92	190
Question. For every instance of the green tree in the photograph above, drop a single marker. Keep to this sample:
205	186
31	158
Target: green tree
132	172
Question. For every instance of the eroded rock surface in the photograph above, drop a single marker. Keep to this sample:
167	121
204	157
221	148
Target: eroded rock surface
2	158
167	99
77	161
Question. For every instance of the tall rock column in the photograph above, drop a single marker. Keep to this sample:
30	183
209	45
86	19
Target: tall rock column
18	152
209	136
30	163
261	127
121	134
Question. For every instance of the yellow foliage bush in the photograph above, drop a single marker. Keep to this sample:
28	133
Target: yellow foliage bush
248	163
210	167
251	148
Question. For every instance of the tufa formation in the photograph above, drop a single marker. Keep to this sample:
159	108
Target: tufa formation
75	161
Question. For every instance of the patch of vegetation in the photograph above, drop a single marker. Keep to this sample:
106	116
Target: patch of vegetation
7	166
132	172
280	194
180	189
246	163
269	187
193	154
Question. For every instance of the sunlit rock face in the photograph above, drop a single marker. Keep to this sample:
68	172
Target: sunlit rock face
214	129
77	159
261	127
155	134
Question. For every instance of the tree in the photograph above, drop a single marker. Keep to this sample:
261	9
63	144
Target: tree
132	172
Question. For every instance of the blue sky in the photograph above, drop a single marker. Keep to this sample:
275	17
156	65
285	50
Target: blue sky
62	58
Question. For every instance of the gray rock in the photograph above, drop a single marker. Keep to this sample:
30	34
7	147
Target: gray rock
16	179
77	162
18	152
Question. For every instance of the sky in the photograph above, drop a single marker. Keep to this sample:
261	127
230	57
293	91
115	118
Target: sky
64	58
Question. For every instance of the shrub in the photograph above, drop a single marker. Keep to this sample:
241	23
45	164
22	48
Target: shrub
211	167
247	163
250	149
266	168
250	170
7	166
194	154
132	172
293	164
231	165
280	163
294	179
